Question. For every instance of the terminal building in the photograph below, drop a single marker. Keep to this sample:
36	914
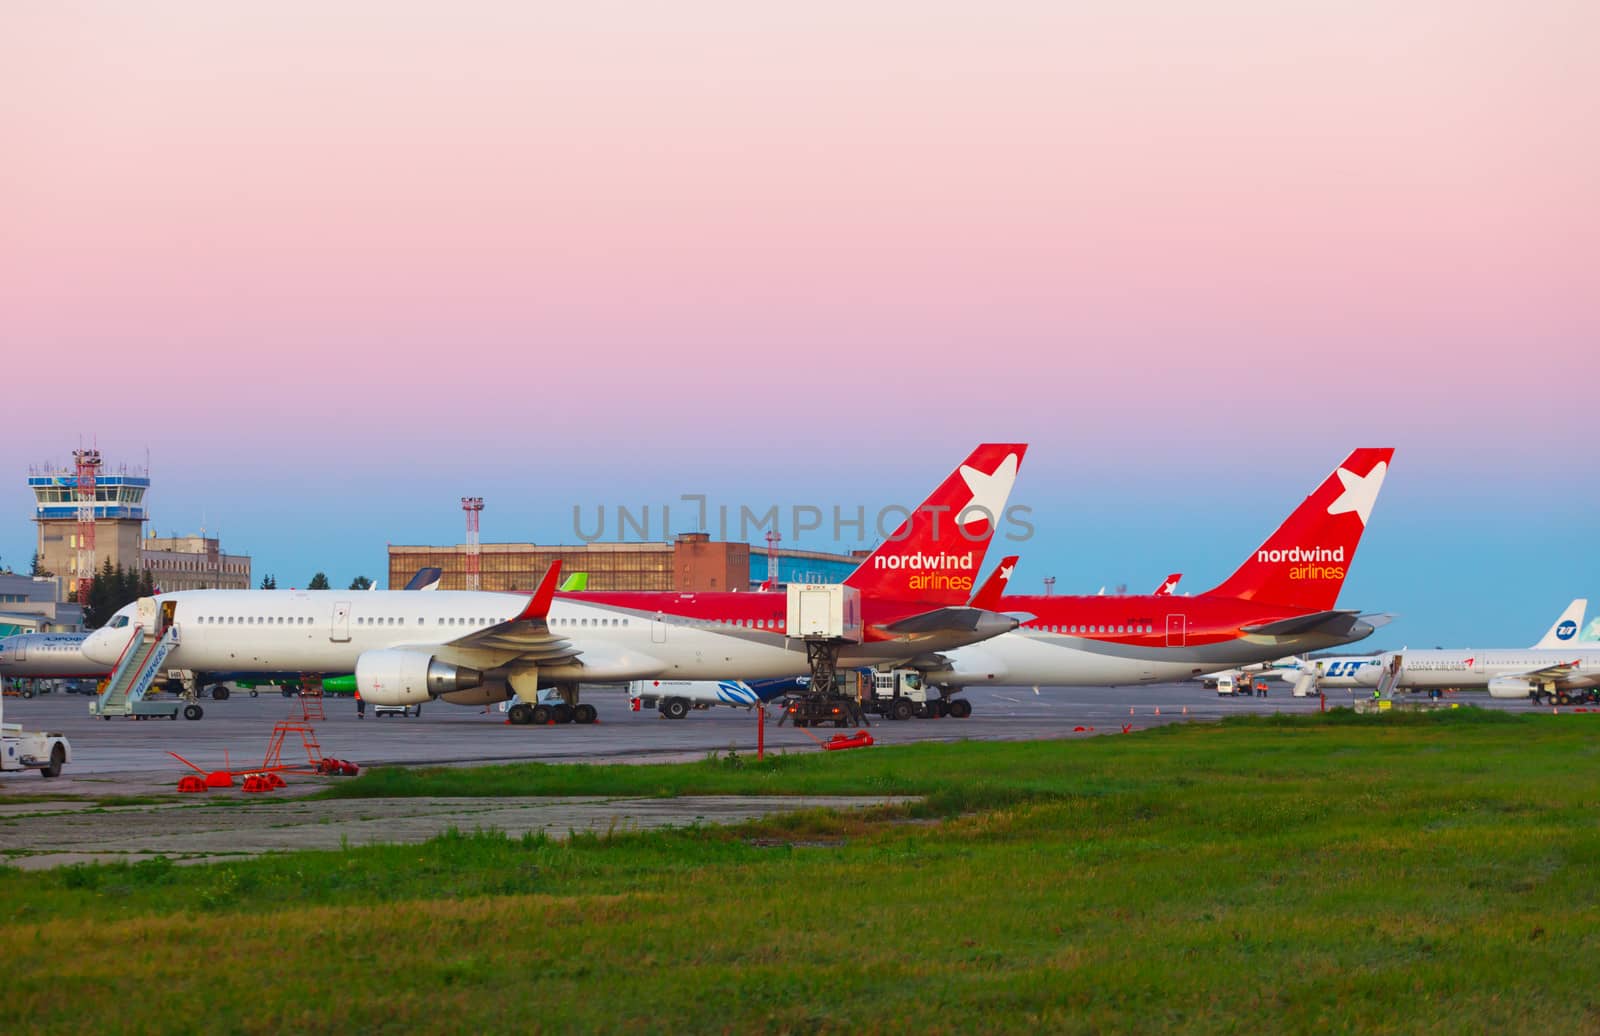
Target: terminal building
693	561
32	604
193	563
119	517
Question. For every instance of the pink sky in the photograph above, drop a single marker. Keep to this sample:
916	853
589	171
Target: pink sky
422	232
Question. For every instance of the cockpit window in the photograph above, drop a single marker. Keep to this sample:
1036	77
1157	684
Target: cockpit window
118	621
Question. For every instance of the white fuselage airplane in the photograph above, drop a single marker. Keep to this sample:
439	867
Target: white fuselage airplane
1548	669
339	632
1279	602
470	647
47	654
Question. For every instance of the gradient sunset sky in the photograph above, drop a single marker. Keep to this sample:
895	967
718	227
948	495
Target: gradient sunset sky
334	265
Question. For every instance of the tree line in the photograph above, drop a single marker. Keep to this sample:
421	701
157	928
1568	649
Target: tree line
318	582
112	589
116	587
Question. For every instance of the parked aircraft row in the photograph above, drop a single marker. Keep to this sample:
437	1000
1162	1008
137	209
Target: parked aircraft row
914	609
477	648
1558	667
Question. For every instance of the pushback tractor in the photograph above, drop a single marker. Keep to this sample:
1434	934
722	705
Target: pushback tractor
31	749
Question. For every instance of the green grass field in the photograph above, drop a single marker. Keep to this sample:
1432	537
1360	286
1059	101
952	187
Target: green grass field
1406	873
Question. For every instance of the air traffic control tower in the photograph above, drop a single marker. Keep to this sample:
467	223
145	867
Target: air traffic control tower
87	515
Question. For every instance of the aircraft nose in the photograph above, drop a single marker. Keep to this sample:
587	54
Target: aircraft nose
103	646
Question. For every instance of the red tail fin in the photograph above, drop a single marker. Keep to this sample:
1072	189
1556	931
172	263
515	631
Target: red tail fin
935	553
993	588
1168	585
1304	563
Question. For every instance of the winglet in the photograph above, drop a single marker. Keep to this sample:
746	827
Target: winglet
539	604
989	594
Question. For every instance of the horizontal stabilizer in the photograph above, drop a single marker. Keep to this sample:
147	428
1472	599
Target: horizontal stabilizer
953	620
1329	623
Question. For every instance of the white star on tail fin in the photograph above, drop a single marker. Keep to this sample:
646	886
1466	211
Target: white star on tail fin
989	492
1360	491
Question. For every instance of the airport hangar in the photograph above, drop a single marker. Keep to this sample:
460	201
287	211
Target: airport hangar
691	562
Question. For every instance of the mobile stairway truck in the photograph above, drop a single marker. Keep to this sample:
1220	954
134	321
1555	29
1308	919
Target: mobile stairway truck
122	694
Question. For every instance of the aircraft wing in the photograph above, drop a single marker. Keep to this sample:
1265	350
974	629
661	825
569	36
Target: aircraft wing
1560	673
526	636
1334	623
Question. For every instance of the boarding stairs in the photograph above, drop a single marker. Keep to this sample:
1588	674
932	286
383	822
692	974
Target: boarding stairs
1308	683
1390	679
135	671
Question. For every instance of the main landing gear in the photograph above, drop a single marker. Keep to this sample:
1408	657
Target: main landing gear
562	707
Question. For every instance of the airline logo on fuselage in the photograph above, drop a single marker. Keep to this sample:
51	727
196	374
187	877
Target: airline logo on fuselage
1308	562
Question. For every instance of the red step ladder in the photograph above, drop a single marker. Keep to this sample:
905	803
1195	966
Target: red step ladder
280	736
311	698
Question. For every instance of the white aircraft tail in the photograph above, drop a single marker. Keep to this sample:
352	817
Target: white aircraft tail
1565	631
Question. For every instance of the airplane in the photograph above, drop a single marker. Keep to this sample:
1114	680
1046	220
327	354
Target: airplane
47	655
480	647
1435	668
1168	586
1280	601
60	655
1559	669
675	698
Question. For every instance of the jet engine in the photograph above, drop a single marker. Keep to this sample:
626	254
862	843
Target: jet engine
1511	687
390	677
